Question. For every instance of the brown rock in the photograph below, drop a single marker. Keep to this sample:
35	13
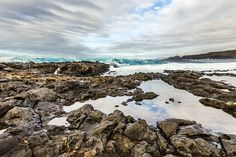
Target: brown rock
190	147
150	95
137	130
7	143
4	108
44	94
168	128
229	144
38	138
21	116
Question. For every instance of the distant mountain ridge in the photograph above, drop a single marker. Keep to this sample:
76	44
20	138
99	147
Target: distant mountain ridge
230	54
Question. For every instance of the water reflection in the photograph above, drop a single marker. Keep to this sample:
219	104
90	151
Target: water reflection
157	109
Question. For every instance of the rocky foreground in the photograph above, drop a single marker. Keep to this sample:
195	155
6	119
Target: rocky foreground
32	94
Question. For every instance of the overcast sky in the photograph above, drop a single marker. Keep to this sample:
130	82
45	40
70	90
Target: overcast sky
116	28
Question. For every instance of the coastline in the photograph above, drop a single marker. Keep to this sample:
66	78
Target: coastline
230	54
32	94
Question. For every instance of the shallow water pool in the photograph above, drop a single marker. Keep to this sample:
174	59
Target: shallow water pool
185	106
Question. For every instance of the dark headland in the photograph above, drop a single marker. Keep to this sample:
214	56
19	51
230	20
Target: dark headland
230	54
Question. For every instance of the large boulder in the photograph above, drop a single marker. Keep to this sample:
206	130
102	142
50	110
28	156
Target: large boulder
188	147
10	146
229	144
47	110
44	94
38	138
53	147
93	94
75	140
83	68
164	146
21	116
77	117
169	126
137	130
4	108
150	95
7	143
140	95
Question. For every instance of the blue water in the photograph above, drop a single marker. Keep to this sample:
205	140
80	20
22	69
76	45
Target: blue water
104	60
119	61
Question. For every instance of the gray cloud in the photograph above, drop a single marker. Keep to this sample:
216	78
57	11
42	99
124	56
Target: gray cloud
119	28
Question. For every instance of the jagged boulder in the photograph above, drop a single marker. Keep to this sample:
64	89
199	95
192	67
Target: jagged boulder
21	116
229	144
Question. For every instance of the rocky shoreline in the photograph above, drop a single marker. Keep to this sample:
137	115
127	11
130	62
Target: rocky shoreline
215	94
34	93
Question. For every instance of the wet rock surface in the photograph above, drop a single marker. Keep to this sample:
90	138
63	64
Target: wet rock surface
92	133
213	92
32	94
66	68
140	95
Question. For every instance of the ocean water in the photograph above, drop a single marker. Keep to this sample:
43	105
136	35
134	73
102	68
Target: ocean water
203	66
118	61
130	66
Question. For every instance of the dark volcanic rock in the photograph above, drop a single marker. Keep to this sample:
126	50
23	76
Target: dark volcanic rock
7	143
46	110
150	95
44	94
83	68
66	68
38	138
169	127
136	130
194	147
172	99
211	90
96	134
2	66
31	94
229	144
229	107
93	94
21	116
139	95
124	104
4	108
